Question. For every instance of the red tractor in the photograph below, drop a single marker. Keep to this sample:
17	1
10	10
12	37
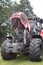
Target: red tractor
22	42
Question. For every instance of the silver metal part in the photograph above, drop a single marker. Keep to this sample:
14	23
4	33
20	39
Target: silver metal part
24	36
11	46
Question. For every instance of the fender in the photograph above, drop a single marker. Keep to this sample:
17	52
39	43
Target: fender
37	36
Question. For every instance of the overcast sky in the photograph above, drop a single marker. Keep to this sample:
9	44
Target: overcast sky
37	7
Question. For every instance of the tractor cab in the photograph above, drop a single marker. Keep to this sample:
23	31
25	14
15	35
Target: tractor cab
19	20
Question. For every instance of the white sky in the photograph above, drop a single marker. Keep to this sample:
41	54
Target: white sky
37	7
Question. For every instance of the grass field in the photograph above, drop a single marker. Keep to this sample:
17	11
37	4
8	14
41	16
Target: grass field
20	60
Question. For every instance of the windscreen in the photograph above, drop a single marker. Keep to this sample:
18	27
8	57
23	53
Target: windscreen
15	22
24	18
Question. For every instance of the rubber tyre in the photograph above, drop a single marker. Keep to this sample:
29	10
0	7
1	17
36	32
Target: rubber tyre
7	56
35	51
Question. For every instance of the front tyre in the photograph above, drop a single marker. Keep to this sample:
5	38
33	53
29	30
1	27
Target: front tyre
7	56
35	50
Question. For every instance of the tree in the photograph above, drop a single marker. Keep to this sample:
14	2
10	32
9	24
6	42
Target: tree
24	6
5	13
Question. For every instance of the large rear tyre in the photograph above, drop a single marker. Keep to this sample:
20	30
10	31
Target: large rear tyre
35	50
7	56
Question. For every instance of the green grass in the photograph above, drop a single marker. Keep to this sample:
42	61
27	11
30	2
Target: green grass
20	60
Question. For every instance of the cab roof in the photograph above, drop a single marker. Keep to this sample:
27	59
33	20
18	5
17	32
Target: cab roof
17	14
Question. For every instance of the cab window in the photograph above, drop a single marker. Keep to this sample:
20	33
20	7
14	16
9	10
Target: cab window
24	18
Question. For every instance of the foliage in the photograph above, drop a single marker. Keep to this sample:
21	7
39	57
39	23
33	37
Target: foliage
23	6
4	15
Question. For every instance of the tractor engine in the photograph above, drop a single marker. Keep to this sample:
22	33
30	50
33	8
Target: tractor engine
18	35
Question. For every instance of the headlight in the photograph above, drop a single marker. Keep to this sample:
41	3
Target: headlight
42	25
38	24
